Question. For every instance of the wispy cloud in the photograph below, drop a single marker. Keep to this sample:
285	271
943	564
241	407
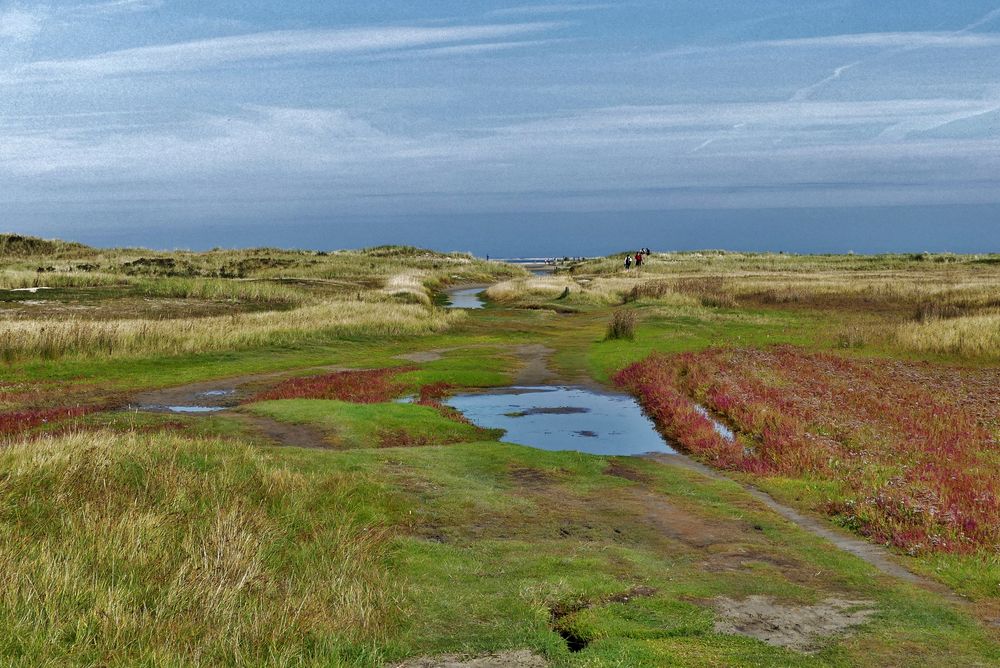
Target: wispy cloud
895	43
806	92
988	18
884	40
117	7
207	53
554	8
875	40
259	153
468	49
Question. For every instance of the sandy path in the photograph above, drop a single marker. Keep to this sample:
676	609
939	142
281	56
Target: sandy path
875	555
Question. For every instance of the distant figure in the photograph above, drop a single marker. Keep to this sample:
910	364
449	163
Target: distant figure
628	262
638	259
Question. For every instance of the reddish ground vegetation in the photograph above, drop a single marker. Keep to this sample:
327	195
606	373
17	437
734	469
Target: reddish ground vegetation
366	386
431	395
18	422
401	438
36	395
912	447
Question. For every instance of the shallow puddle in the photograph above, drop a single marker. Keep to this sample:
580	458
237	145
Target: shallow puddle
564	418
217	393
465	298
182	409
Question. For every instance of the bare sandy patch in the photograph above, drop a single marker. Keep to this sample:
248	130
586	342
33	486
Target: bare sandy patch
798	627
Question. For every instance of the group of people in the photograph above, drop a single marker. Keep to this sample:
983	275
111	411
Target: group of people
638	258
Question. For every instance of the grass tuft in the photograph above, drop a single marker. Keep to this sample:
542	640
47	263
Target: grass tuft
623	325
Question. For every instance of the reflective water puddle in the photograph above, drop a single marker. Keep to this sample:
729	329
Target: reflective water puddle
182	409
465	298
564	418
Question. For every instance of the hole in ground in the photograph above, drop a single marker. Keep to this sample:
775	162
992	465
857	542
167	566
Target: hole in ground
573	642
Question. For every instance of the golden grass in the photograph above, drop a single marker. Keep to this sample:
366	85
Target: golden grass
969	336
709	261
51	339
11	279
124	550
599	290
546	287
259	291
408	286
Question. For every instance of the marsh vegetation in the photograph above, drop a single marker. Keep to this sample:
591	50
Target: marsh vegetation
339	510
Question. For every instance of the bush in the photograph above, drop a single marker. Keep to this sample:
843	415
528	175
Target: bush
623	325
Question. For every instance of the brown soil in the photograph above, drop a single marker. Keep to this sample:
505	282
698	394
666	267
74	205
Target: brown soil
534	369
797	627
223	392
517	659
284	433
532	477
621	470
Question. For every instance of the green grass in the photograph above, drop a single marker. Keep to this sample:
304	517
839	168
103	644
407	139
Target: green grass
509	552
372	425
677	330
168	550
162	540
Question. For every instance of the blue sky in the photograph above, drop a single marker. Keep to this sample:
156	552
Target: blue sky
209	123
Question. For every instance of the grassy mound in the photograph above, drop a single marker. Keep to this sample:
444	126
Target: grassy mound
156	550
16	245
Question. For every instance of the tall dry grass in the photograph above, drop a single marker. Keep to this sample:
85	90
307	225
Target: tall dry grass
968	336
597	291
49	339
409	286
259	291
623	325
126	550
545	287
11	279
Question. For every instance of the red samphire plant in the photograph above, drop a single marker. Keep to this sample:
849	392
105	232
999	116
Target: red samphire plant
909	446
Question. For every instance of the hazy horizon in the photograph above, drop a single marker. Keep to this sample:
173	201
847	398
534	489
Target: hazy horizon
813	231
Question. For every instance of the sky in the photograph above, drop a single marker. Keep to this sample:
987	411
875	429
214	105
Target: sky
509	129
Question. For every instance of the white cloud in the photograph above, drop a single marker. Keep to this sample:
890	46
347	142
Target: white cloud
199	54
20	25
